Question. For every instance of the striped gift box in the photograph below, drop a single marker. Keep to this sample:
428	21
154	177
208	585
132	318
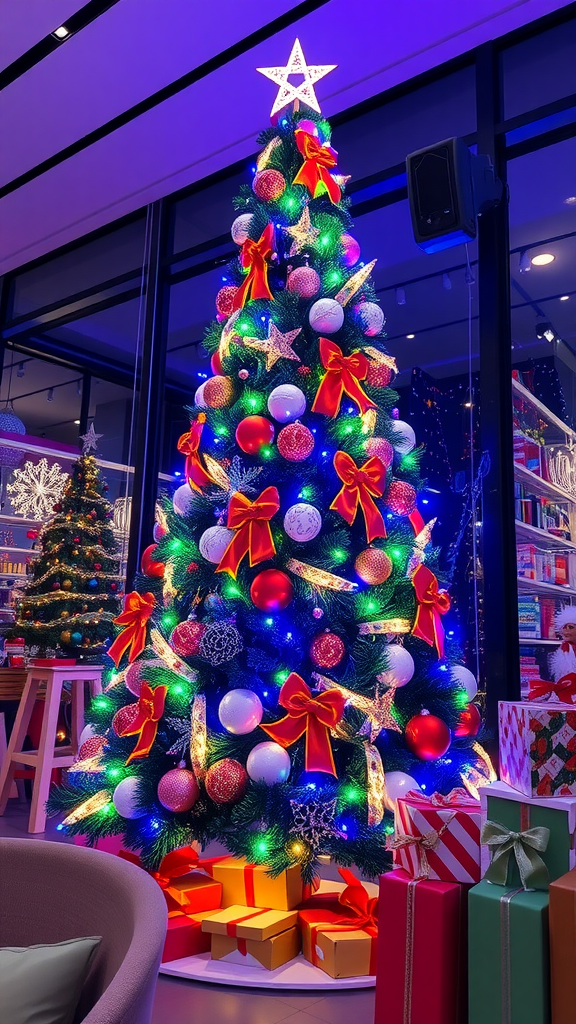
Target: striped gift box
438	837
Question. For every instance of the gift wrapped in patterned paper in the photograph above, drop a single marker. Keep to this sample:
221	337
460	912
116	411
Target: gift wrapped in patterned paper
538	748
438	837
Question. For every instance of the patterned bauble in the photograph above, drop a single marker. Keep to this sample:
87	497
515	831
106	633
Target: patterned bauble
243	374
124	717
268	185
214	603
304	282
213	543
302	522
373	566
91	747
182	500
149	565
382	448
126	798
218	392
66	584
226	781
351	250
469	722
76	638
326	316
286	403
254	433
465	679
241	228
427	736
371	318
186	636
400	498
199	396
317	613
268	762
404	438
225	300
88	732
295	442
65	636
240	711
271	590
9	421
400	666
327	650
221	642
136	672
379	375
178	790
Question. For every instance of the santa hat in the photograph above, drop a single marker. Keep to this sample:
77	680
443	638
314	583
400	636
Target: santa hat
564	616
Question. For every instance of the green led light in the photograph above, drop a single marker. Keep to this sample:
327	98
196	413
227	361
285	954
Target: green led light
324	240
351	794
306	492
461	699
266	452
176	544
262	847
177	688
221	431
335	277
372	606
108	808
281	676
408	460
253	403
396	553
101	703
269	622
339	555
232	591
348	429
114	772
169	619
244	327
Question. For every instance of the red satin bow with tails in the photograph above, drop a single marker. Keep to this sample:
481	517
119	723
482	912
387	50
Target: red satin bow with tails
137	610
189	445
343	376
145	724
361	484
309	716
314	173
432	604
255	256
253	537
565	689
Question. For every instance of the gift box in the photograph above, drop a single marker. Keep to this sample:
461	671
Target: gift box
538	748
438	837
503	804
421	975
192	890
508	955
253	937
562	912
184	936
250	885
340	930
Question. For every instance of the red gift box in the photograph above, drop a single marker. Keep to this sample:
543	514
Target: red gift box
438	837
184	936
421	974
183	887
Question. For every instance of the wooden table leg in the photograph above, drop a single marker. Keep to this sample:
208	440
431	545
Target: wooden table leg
45	763
3	749
77	723
17	738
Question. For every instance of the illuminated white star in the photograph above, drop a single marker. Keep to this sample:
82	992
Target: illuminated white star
305	90
276	346
90	440
303	233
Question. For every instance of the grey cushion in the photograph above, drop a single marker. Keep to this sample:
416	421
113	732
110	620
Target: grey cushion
42	984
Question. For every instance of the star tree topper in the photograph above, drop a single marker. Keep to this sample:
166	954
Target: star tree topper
276	345
303	92
90	440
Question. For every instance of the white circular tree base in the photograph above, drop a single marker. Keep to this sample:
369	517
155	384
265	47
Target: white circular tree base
297	974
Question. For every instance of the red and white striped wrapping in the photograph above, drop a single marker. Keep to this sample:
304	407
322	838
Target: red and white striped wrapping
449	830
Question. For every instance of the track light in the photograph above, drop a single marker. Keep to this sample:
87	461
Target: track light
50	395
524	264
400	296
20	371
547	332
79	388
447	282
61	33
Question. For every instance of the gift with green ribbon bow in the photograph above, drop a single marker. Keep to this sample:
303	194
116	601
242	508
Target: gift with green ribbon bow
525	847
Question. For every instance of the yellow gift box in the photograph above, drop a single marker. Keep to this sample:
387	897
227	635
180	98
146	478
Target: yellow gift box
252	937
250	885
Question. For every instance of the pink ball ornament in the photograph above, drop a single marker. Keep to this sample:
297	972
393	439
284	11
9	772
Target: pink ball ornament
124	718
135	672
92	747
351	250
226	781
379	375
317	613
225	300
327	650
400	498
382	448
304	282
87	733
178	790
295	442
186	636
305	125
268	185
159	531
243	374
216	363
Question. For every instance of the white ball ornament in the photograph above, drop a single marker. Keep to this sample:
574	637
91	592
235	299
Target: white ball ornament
268	762
398	784
370	317
125	798
404	438
286	403
214	541
88	733
240	711
302	522
326	316
466	679
182	500
199	396
400	666
241	228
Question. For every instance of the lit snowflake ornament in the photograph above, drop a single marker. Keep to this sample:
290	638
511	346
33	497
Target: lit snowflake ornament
36	489
313	822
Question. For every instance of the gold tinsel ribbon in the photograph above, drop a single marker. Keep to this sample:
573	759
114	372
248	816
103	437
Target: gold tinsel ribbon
381	626
319	577
92	805
198	738
375	784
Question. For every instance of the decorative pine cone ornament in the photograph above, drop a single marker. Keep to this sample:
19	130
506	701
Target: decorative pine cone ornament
226	781
221	642
327	650
400	498
373	566
295	442
225	300
268	185
186	637
218	392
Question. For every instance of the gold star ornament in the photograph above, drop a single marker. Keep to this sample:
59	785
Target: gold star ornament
303	233
276	346
304	92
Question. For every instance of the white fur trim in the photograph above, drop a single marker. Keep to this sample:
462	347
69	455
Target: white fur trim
567	614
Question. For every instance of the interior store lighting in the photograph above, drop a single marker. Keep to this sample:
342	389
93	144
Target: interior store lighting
570	200
410	336
61	33
542	259
20	371
524	264
77	422
564	298
50	395
401	296
545	330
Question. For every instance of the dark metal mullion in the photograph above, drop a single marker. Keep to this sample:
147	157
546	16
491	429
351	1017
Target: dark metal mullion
502	652
5	301
148	444
63	303
85	403
73	315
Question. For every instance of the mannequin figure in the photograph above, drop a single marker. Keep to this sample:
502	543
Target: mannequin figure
563	660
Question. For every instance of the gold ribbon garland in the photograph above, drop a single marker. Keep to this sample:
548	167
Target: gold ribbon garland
319	577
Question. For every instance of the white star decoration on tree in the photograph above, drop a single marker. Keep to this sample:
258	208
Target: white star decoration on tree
276	345
303	233
90	440
36	488
305	90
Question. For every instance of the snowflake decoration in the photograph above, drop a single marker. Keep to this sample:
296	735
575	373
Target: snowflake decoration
36	489
314	821
242	479
183	727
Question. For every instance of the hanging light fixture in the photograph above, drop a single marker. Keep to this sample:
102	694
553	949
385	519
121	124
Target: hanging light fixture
50	395
447	282
524	264
401	296
20	371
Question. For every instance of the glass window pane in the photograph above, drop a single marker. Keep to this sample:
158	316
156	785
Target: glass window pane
110	333
205	214
539	70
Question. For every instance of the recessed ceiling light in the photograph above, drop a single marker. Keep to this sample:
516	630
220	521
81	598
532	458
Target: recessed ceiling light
542	259
571	200
61	33
77	422
564	298
410	336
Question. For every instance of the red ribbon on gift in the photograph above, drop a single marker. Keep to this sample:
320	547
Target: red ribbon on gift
174	865
309	716
145	724
253	537
362	915
189	445
343	376
432	604
137	610
564	688
361	483
255	256
314	171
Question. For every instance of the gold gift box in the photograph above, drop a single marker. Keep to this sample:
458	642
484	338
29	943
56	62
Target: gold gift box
250	922
251	886
341	954
270	954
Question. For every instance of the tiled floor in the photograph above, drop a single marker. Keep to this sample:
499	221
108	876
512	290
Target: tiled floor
183	1002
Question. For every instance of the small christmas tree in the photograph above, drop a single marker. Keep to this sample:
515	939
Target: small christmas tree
72	598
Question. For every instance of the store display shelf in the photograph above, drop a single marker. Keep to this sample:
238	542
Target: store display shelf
19	551
532	641
537	485
544	411
536	535
19	520
539	587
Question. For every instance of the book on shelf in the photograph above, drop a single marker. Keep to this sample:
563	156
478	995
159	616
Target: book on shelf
527	452
544	566
536	616
540	512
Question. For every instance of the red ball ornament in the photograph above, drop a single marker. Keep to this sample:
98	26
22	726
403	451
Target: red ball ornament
92	747
400	498
427	736
254	433
225	300
226	781
304	282
218	392
149	565
216	362
379	375
295	442
382	448
97	566
124	718
178	790
373	566
271	590
469	722
268	185
186	637
327	650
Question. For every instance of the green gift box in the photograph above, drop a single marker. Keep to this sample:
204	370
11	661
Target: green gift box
508	807
509	970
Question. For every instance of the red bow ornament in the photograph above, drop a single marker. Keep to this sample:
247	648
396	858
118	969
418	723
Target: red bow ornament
309	716
189	445
432	604
343	374
254	257
314	171
564	689
253	537
145	724
174	865
137	610
361	485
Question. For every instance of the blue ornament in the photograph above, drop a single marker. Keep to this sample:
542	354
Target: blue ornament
214	603
93	584
76	639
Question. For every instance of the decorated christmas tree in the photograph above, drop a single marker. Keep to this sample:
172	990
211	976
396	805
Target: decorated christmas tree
72	598
289	663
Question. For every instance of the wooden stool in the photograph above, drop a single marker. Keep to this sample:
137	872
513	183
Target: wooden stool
47	757
17	787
